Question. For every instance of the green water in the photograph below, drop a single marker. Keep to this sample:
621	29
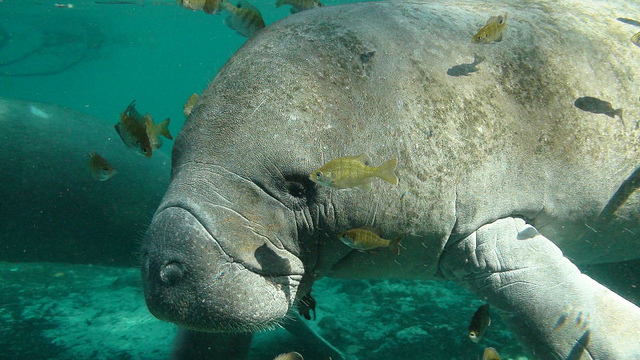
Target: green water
96	57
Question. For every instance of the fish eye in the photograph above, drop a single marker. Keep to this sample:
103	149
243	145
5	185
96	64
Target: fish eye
105	168
318	174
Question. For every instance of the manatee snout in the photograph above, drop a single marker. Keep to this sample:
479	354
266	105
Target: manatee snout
192	280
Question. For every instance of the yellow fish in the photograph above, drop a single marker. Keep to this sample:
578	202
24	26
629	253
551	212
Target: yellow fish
100	168
299	5
364	239
479	323
190	104
245	18
492	31
155	130
289	356
133	132
208	6
635	39
352	171
490	354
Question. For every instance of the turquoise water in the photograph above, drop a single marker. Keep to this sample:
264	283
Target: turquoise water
94	58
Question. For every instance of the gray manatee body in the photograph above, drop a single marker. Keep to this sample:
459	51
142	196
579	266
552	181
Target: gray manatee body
504	184
54	210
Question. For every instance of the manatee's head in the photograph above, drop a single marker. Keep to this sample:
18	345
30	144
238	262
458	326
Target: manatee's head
222	253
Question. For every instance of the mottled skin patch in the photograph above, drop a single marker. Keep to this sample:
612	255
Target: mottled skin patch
473	153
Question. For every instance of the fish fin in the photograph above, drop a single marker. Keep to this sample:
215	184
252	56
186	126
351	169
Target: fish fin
493	19
477	59
385	171
499	37
279	3
244	4
163	129
119	131
363	158
394	245
227	5
293	10
619	113
503	18
212	6
147	121
366	187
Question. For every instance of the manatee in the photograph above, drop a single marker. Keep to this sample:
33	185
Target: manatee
54	210
505	187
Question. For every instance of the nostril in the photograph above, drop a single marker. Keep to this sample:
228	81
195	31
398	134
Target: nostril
171	273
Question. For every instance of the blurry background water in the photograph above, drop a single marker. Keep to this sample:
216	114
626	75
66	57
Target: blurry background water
95	57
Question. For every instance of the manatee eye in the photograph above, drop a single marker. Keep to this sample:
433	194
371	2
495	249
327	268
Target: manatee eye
296	189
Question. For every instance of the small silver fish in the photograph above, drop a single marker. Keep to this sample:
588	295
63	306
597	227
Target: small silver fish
245	18
353	172
492	31
133	132
365	239
491	354
299	5
289	356
100	168
190	104
635	39
155	130
208	6
479	323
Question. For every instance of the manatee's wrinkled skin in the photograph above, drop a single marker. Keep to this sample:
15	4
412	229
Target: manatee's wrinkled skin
499	172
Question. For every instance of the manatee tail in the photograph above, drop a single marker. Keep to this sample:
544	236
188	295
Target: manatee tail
163	129
394	245
385	171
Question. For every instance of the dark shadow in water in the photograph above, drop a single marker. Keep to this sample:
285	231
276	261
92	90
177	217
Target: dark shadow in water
466	69
58	49
628	187
22	335
629	21
580	347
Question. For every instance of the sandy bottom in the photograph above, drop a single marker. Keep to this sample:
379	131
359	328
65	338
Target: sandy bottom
59	311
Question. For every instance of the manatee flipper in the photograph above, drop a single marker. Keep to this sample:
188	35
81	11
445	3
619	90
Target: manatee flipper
312	341
196	345
543	297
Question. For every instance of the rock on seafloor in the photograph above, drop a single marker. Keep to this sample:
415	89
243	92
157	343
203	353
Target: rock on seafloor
63	311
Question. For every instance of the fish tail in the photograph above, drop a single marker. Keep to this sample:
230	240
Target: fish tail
163	129
394	245
212	6
385	171
477	59
227	5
